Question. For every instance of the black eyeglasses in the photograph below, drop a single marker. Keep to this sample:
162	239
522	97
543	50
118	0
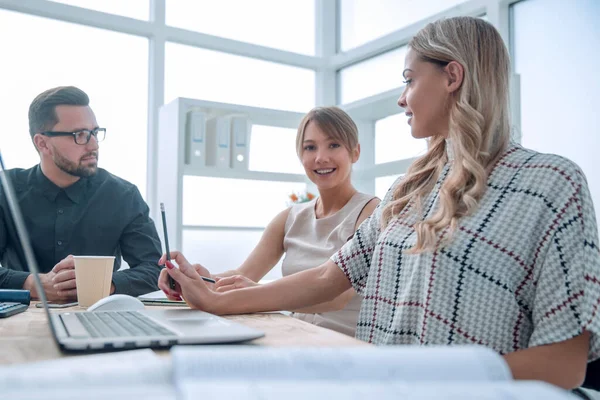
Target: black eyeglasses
82	136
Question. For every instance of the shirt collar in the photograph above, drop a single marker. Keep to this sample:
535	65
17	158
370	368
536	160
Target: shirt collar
50	190
45	185
76	190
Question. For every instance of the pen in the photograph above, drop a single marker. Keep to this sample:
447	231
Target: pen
164	221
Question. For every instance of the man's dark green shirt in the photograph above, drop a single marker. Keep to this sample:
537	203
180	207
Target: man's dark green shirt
101	215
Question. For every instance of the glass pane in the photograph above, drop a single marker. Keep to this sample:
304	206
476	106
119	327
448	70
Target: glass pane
383	184
222	250
366	20
286	25
138	9
373	76
273	149
393	140
569	31
234	202
215	76
117	86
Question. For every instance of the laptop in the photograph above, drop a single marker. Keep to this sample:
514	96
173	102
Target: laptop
87	331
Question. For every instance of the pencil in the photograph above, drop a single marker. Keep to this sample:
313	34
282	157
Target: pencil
164	222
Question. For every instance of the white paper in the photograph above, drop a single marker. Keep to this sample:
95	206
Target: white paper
159	294
129	368
389	363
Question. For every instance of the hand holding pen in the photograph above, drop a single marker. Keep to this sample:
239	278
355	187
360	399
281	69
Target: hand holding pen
179	261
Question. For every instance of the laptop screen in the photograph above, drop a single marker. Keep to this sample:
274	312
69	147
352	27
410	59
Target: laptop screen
15	212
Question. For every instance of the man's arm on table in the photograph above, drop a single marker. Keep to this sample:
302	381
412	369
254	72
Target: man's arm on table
9	279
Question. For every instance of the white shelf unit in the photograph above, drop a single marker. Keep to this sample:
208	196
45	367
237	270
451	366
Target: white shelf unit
172	166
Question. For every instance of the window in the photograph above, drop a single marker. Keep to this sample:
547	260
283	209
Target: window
559	71
383	184
210	75
138	9
111	67
225	204
373	76
365	20
393	140
222	250
273	149
286	25
234	202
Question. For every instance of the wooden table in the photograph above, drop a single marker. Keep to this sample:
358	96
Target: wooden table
26	337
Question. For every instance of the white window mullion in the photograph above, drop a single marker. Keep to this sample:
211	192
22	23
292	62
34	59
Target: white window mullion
156	94
326	29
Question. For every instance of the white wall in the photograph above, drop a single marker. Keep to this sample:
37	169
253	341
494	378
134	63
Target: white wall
556	52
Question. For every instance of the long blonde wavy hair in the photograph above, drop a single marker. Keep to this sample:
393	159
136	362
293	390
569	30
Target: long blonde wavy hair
479	126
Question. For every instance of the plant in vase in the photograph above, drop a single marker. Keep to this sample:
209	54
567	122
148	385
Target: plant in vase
300	197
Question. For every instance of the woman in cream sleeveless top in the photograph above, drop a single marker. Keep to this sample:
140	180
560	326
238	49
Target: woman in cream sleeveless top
309	233
310	241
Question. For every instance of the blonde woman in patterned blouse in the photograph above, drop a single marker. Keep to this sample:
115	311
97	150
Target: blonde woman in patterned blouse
483	241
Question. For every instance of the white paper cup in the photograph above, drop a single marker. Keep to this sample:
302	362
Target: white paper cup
93	276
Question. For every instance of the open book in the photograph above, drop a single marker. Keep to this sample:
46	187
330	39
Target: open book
254	372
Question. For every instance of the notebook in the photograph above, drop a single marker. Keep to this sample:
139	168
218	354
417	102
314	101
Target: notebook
119	330
159	298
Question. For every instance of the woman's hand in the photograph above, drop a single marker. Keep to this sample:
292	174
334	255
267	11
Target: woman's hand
163	284
233	282
186	277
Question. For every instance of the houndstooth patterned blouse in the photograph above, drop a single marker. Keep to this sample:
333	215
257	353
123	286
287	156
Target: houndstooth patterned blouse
523	270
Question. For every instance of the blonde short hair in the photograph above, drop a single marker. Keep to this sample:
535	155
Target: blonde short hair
334	122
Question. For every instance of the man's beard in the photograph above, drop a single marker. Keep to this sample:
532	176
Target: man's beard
76	169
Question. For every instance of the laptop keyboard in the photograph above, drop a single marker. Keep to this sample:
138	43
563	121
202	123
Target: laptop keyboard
120	324
8	308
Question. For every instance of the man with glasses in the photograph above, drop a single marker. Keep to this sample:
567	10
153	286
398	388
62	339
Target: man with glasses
72	207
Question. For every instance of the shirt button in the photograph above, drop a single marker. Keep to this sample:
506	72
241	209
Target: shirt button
59	243
60	211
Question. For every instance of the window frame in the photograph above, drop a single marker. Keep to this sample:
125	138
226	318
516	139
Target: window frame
327	62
